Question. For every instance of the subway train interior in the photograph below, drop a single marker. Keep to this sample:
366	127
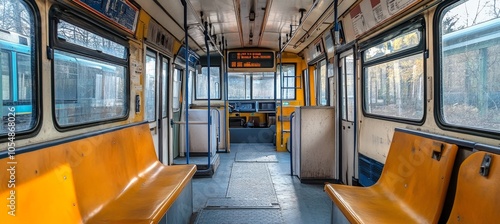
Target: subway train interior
249	111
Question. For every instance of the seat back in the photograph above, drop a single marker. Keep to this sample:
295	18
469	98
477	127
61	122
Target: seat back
477	198
71	181
417	173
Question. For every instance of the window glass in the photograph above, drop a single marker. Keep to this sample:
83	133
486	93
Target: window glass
17	67
202	83
87	90
6	75
349	67
321	82
238	86
288	80
263	85
176	89
396	88
150	87
164	81
84	38
396	44
343	88
470	68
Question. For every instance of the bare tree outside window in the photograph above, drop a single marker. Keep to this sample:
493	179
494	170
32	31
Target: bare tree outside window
470	64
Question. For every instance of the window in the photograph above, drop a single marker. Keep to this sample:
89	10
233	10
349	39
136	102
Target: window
18	56
202	83
289	78
251	86
393	75
263	86
176	89
90	74
239	86
469	55
164	83
150	86
346	68
321	83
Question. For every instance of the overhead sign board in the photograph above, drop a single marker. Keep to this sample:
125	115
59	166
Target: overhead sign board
370	13
251	61
119	12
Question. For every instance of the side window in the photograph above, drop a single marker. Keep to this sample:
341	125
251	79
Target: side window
469	56
202	82
164	83
289	77
150	86
18	79
89	73
321	83
393	74
176	89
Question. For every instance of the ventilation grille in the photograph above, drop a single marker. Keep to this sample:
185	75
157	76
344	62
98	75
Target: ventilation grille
369	170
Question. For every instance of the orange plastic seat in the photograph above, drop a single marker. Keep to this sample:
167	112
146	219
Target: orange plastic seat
477	199
411	189
107	178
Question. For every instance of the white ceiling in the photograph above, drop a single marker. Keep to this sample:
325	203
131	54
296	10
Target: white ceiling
230	18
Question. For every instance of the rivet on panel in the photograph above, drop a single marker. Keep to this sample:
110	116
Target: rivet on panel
458	218
406	185
74	204
64	177
36	171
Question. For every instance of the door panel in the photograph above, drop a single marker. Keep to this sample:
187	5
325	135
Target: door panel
176	114
150	95
347	98
164	110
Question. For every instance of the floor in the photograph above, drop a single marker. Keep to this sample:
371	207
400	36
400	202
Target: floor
253	185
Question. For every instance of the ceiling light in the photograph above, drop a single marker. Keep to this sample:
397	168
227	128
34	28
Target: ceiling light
251	16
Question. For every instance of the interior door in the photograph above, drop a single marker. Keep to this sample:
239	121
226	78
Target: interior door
176	110
150	97
347	106
163	107
156	101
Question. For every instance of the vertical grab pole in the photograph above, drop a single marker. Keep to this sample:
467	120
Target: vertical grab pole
208	95
186	38
292	115
281	95
226	95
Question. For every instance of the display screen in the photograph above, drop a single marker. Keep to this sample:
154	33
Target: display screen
251	59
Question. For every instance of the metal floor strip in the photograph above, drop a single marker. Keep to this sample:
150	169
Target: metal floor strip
251	181
239	216
240	203
266	157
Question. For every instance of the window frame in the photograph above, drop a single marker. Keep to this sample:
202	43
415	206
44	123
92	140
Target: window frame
195	78
317	83
58	12
294	83
151	54
177	72
36	97
420	49
438	78
276	78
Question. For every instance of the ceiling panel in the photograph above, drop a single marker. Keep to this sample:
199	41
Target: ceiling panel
231	19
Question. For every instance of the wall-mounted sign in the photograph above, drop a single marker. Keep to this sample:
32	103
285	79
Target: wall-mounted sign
370	13
251	61
119	12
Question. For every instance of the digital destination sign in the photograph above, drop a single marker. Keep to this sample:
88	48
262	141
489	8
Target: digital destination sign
251	60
